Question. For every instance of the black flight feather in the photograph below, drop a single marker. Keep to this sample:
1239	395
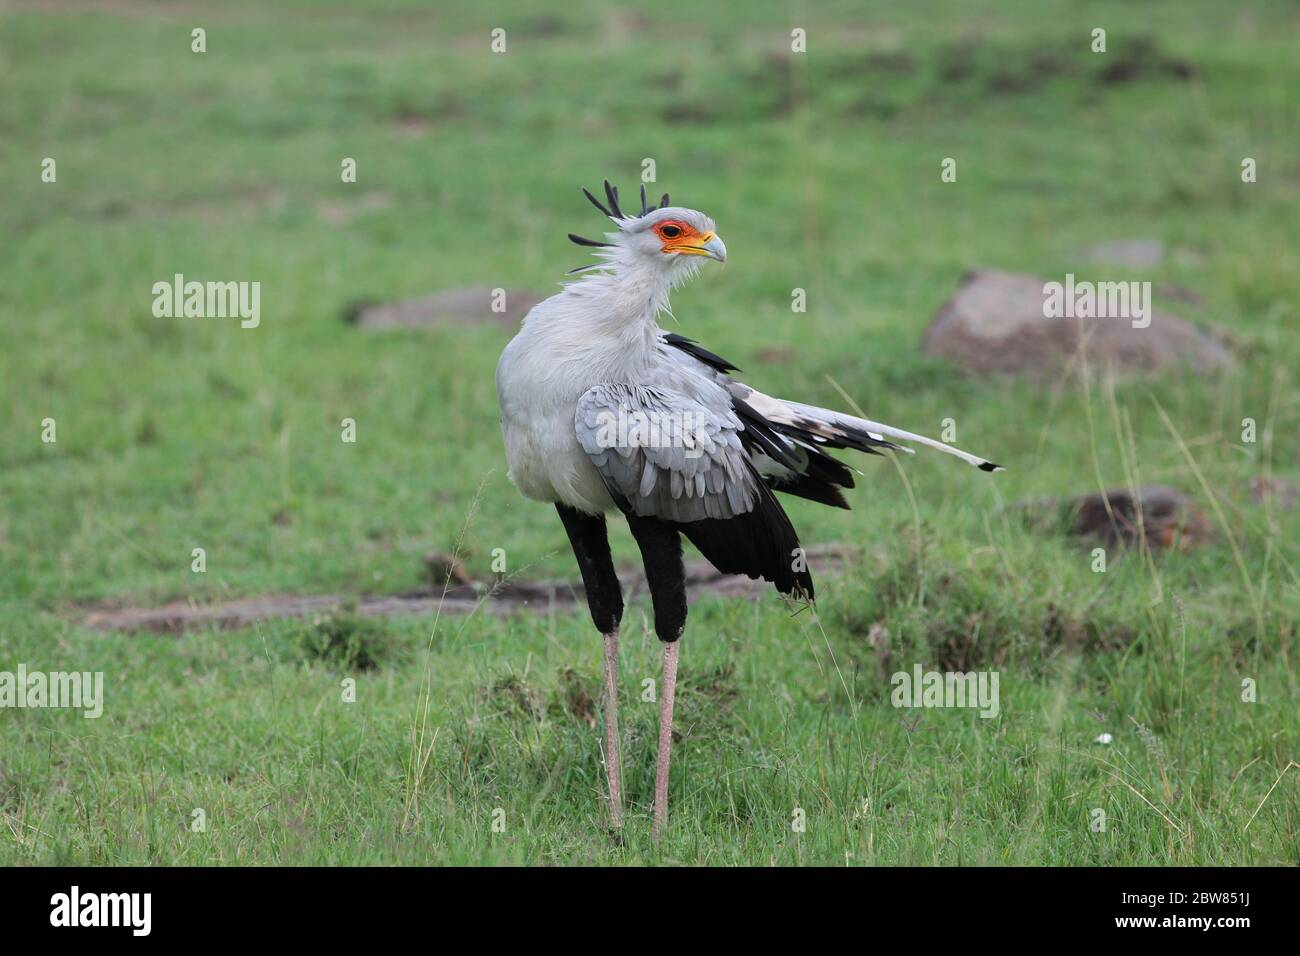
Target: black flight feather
690	347
760	431
760	543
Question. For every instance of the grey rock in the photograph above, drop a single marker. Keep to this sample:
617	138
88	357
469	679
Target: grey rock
994	323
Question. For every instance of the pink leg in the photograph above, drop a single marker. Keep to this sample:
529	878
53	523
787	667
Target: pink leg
665	736
612	758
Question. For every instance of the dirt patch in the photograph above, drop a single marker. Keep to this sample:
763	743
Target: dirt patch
506	597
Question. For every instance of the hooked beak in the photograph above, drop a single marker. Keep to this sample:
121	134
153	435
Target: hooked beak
715	248
707	245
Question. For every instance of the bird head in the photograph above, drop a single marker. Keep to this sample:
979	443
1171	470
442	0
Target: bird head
673	239
671	232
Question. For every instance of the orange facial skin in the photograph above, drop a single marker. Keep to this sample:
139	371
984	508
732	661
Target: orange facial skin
682	238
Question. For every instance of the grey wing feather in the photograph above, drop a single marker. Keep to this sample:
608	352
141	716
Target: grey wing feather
674	456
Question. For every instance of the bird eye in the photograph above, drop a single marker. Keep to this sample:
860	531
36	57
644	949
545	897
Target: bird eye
670	231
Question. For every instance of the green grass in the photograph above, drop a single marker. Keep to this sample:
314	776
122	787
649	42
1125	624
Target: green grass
823	173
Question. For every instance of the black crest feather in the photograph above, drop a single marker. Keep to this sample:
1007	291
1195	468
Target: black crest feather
596	202
611	196
611	209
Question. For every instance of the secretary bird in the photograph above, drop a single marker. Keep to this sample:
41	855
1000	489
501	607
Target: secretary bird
601	409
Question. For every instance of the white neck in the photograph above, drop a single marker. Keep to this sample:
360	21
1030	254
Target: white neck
615	309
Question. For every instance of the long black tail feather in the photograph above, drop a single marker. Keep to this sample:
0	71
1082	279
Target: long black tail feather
760	544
